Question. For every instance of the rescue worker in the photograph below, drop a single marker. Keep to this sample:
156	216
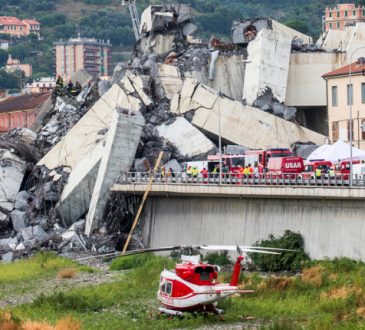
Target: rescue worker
318	172
70	86
189	171
163	172
246	171
204	172
332	172
194	171
59	82
250	168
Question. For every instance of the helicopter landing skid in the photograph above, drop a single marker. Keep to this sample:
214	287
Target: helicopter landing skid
170	312
218	311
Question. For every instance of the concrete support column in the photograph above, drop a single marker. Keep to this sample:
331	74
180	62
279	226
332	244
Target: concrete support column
118	155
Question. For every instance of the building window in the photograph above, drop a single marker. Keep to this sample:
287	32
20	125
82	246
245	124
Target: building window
330	14
349	94
345	13
363	13
363	92
353	13
338	25
350	130
363	129
338	14
335	131
330	25
334	96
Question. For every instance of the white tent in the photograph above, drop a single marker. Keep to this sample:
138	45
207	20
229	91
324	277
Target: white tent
335	152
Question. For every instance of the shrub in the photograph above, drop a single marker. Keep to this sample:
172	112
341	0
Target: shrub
68	323
69	301
129	262
67	273
218	258
287	260
313	276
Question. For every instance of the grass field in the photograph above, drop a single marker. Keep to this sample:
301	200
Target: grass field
328	295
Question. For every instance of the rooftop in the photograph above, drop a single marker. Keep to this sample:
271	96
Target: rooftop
356	68
23	102
10	20
31	21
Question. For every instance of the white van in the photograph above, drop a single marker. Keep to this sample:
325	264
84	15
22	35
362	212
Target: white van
359	171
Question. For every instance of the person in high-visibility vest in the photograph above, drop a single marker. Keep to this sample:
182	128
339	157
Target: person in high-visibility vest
318	172
331	172
194	171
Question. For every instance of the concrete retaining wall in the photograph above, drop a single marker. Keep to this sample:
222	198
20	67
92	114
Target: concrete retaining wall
331	228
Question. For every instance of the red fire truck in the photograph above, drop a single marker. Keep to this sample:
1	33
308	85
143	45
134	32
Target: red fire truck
310	168
232	161
342	169
261	157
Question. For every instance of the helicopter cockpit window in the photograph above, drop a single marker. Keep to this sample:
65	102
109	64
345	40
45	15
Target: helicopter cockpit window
166	287
204	272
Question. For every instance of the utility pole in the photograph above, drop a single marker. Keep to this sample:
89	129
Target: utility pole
134	16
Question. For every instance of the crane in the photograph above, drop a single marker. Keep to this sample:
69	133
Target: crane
134	16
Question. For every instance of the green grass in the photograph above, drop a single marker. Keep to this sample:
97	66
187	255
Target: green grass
41	265
329	295
22	276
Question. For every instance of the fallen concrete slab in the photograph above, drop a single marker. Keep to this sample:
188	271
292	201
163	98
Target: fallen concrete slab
12	170
76	195
187	139
118	156
268	67
171	79
242	125
81	140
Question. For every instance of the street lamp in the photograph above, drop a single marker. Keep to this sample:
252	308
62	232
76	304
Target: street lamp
351	99
219	122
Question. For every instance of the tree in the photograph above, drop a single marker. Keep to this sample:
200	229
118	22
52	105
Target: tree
298	25
10	80
3	57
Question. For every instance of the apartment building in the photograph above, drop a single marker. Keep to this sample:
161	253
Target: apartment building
341	16
340	94
88	54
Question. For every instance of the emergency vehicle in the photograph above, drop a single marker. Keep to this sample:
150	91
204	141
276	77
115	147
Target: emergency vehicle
285	167
232	161
262	157
311	167
358	170
342	169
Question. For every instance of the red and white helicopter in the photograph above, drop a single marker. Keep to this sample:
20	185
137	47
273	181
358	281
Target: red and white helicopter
193	285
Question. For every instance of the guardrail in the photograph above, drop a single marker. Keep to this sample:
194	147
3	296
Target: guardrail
301	179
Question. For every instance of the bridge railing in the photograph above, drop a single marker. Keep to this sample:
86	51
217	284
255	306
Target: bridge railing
301	179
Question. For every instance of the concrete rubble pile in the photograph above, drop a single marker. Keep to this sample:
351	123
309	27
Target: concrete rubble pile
170	97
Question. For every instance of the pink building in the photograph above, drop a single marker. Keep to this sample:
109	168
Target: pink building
20	111
343	15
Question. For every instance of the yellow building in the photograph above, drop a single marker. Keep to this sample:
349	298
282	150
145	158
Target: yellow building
13	65
78	53
18	28
340	94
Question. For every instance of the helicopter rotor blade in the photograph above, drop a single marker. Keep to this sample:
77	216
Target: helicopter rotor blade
235	248
133	252
243	248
